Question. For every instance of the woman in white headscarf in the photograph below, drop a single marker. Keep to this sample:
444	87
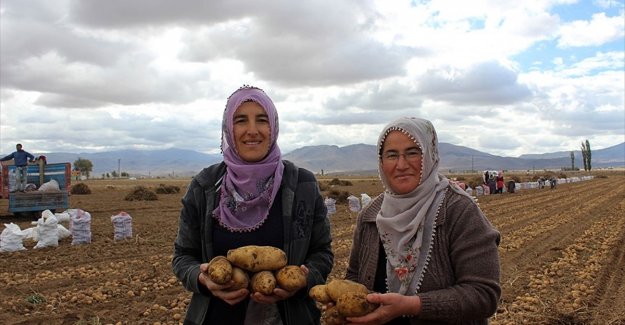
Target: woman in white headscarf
423	245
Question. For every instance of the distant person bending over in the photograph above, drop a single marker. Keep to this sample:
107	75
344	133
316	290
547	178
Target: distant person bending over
253	197
21	158
541	182
423	245
511	186
553	182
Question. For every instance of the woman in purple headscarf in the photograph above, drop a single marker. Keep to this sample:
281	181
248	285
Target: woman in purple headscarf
253	197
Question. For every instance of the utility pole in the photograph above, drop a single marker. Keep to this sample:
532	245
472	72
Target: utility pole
119	163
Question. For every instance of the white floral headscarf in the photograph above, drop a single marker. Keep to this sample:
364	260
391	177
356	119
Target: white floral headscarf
406	221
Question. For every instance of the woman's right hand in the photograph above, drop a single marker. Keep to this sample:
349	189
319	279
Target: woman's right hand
221	291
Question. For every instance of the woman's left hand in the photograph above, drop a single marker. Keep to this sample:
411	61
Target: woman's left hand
278	293
392	305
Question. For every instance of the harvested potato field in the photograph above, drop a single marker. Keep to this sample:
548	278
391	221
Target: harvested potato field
562	256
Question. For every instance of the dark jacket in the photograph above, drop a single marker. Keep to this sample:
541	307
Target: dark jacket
461	282
21	158
307	239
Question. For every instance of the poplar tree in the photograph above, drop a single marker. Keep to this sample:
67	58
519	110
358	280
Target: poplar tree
588	155
584	155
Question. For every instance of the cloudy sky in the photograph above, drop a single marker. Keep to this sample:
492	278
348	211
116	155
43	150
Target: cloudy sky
503	77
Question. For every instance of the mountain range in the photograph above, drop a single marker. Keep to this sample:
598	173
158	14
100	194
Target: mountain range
331	159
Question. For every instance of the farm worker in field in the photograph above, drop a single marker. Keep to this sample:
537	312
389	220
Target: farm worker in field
253	197
492	185
423	246
553	182
21	158
500	182
511	186
541	182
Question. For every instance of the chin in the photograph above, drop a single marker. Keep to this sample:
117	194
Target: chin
253	157
404	189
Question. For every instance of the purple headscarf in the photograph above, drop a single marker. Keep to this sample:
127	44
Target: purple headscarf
248	188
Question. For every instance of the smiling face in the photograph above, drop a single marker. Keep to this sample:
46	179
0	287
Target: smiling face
251	131
401	162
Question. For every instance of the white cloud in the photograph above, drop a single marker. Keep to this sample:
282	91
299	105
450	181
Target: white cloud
487	83
156	74
600	30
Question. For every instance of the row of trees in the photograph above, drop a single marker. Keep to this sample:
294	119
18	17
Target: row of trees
586	156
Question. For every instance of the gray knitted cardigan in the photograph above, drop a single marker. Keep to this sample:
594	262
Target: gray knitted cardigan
461	280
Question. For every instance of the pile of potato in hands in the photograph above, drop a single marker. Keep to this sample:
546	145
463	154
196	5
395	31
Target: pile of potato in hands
346	298
267	264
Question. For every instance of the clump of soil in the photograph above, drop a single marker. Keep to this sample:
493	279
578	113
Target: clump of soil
141	193
80	188
167	189
339	196
336	181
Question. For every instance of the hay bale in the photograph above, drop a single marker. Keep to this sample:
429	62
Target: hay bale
141	193
167	189
80	188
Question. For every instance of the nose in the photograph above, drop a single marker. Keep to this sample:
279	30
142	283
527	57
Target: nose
252	128
402	162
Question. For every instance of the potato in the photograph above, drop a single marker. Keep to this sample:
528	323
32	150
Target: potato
320	294
254	258
220	270
337	287
263	282
240	278
354	304
332	317
291	278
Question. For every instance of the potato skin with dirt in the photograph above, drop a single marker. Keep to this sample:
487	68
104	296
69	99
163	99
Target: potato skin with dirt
263	282
320	294
338	287
240	278
255	258
332	317
354	304
291	278
220	270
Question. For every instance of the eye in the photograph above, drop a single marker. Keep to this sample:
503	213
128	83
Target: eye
391	155
413	153
262	119
239	119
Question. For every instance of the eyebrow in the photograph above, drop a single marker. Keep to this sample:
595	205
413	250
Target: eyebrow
245	115
409	148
